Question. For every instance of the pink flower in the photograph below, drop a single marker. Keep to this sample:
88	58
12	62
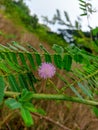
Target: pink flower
46	70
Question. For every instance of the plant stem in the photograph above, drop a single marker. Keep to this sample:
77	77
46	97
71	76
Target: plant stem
11	94
52	121
56	97
64	97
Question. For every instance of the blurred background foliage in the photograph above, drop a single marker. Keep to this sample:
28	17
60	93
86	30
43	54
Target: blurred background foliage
19	13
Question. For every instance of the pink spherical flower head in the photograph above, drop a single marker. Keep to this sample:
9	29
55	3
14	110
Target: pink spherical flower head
46	70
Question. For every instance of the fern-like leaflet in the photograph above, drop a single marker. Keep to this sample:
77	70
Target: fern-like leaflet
18	65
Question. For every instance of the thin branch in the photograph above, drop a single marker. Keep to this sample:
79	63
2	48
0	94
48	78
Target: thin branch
62	97
52	121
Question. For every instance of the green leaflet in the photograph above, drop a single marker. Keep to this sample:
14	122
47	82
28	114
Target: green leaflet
66	15
12	47
43	48
76	92
82	1
12	66
30	57
85	90
58	61
7	56
41	111
29	106
78	58
30	78
3	67
48	58
95	110
26	96
2	55
22	81
14	57
2	87
67	62
20	47
23	60
4	48
95	31
24	78
12	103
85	14
13	83
38	59
26	116
10	59
58	49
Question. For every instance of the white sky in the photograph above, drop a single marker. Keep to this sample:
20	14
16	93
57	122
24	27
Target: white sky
48	8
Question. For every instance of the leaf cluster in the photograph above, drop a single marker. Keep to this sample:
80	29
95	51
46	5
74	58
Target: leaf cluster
86	7
17	74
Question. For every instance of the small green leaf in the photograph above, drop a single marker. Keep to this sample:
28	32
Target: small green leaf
12	103
85	14
95	110
13	83
58	60
30	107
58	49
85	90
67	62
14	57
12	65
23	60
78	58
23	81
76	92
30	57
3	67
41	111
82	1
43	48
26	96
12	47
38	59
2	87
95	31
27	117
47	58
83	6
20	47
31	80
66	15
